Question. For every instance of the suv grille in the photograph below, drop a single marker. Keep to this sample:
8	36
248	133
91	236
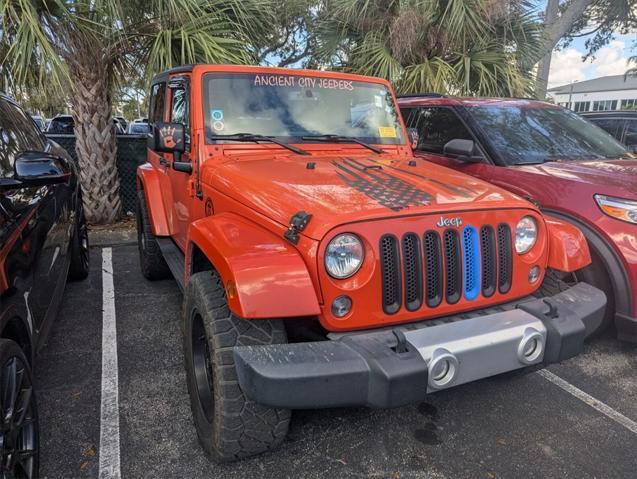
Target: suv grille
473	262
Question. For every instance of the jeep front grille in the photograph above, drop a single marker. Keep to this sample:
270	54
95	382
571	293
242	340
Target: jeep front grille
390	270
419	270
505	260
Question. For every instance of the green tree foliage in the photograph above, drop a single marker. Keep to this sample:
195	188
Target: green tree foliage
600	22
466	47
87	47
289	41
595	20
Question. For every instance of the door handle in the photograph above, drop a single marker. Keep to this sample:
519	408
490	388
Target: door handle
163	161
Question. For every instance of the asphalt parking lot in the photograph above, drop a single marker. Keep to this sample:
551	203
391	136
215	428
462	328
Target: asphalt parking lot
580	421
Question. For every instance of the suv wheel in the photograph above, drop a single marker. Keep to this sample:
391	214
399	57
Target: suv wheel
19	436
80	253
151	259
229	425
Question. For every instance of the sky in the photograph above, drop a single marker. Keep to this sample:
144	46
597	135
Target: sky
567	65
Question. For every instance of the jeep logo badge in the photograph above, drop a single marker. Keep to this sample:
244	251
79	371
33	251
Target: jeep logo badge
457	222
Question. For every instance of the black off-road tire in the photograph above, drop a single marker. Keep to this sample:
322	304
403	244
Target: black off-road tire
151	259
551	285
80	253
229	425
20	431
595	275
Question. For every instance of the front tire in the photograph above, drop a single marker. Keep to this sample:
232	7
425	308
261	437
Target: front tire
229	425
151	258
19	433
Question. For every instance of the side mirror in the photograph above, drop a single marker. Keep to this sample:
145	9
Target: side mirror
461	150
37	168
169	137
413	136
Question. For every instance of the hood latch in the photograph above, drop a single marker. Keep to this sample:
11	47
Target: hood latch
298	223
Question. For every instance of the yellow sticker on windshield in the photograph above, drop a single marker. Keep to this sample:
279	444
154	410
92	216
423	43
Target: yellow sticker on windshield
387	132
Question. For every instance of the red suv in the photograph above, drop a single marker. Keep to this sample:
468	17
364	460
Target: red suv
568	167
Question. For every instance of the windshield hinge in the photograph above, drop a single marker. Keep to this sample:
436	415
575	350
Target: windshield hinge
298	223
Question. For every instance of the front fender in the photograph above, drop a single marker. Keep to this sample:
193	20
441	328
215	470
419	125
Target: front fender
148	180
264	276
568	248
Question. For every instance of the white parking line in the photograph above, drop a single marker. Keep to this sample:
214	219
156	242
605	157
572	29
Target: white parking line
109	418
605	409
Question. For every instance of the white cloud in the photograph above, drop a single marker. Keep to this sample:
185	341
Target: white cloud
567	65
611	60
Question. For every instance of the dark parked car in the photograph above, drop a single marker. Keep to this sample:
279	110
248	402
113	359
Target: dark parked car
64	124
122	121
43	241
61	124
138	128
39	121
620	124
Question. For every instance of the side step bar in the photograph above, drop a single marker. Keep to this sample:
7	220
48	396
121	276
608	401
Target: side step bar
174	258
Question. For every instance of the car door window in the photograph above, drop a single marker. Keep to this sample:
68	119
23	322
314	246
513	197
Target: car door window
630	135
610	125
436	127
18	133
157	103
179	110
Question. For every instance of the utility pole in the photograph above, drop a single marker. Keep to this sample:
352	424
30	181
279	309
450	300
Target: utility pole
570	94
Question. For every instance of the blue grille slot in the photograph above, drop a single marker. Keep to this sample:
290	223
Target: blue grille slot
472	266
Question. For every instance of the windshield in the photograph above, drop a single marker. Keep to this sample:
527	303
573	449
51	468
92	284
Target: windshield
522	134
292	106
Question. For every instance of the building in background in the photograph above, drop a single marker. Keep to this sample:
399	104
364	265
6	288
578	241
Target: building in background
614	92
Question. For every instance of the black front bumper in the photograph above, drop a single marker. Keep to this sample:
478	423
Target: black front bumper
380	369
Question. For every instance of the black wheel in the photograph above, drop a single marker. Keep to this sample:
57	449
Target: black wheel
229	425
80	254
151	259
19	437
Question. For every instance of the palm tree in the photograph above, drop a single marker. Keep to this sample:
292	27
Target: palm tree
90	45
466	47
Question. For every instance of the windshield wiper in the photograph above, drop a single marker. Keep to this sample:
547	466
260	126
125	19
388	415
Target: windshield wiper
343	139
257	138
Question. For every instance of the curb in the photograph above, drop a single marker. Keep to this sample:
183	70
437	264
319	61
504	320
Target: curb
103	238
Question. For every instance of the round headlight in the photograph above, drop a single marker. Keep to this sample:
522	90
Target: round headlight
344	256
525	235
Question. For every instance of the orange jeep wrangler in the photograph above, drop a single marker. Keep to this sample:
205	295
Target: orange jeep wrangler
322	265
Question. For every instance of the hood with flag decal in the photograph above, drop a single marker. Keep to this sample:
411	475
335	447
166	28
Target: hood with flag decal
337	190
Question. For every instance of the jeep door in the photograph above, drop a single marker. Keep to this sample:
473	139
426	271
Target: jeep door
181	184
35	223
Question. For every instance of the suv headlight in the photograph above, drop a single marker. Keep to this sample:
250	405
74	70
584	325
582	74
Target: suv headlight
344	256
525	235
624	210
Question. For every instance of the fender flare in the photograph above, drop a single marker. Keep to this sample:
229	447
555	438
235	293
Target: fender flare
613	265
568	248
148	182
263	275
